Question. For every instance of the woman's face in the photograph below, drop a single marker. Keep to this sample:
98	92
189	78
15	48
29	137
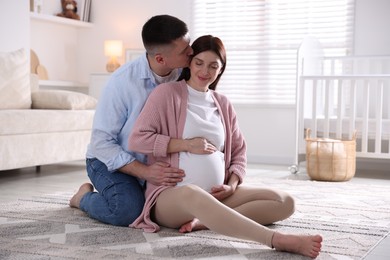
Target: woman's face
205	68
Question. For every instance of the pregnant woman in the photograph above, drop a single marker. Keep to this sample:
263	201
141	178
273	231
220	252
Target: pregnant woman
188	125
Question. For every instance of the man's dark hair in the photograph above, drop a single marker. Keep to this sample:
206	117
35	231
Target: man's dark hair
162	30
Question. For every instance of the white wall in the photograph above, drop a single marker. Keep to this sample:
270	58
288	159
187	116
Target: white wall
122	20
56	44
14	25
269	131
72	53
372	34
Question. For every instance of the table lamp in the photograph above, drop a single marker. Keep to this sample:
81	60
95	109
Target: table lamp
113	49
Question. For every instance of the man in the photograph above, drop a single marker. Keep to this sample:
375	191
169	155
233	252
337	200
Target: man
116	173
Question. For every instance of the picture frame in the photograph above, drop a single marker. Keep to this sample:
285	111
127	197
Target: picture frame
132	54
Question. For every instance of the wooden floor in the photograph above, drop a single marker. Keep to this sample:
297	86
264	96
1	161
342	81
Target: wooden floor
27	182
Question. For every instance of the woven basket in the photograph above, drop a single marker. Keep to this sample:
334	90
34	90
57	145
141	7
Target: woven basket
330	159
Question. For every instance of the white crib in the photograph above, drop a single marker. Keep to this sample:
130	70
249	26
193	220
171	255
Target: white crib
337	95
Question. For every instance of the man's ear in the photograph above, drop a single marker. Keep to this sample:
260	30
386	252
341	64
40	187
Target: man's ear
159	58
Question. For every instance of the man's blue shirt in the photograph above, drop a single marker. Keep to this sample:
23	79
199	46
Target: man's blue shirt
119	105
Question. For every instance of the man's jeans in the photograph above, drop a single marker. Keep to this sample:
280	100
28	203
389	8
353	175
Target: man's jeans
120	197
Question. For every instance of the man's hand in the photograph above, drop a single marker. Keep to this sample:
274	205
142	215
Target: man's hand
161	173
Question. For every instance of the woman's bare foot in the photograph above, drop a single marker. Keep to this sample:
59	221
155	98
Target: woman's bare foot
307	245
75	200
193	225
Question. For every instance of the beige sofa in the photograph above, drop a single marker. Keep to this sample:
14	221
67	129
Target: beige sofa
39	127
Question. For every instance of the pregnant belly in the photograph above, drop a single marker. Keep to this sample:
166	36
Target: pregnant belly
204	170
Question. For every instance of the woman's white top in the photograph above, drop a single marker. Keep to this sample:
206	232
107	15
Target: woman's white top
203	120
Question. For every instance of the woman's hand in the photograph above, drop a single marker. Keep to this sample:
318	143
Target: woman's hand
200	145
221	192
196	145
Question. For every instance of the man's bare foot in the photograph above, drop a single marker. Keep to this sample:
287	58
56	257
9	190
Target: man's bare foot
193	225
307	245
75	200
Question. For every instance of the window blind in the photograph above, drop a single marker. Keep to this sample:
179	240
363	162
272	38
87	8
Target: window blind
262	37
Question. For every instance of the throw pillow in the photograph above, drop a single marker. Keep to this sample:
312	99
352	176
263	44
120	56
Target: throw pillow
62	99
15	92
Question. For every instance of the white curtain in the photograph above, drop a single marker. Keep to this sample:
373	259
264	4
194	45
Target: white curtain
262	38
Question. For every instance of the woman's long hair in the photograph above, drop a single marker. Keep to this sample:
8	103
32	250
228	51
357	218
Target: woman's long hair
207	43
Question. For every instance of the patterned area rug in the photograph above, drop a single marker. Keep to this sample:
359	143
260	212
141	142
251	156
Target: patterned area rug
352	219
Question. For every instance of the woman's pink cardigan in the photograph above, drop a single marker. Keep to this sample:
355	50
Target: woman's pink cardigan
162	118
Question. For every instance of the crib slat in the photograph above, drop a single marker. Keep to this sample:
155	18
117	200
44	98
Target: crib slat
314	108
327	107
302	107
379	117
340	109
352	102
386	89
366	98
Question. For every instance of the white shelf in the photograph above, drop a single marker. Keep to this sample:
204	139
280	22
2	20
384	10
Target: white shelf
62	83
59	20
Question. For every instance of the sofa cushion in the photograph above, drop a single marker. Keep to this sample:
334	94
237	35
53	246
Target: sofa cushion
29	121
15	92
34	82
62	99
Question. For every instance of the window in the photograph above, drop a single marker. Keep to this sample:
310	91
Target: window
262	38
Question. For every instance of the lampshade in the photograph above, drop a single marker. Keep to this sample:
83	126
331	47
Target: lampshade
113	48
